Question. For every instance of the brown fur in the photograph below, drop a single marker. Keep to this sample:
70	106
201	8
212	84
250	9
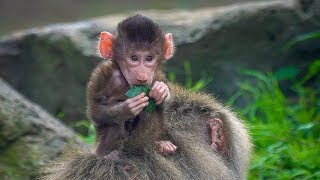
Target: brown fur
186	118
138	32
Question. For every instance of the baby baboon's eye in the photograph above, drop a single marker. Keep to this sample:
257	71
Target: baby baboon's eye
149	58
134	58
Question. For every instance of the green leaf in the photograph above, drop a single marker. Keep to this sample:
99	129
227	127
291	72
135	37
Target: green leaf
187	69
172	77
313	70
287	72
151	106
60	115
307	126
136	90
301	38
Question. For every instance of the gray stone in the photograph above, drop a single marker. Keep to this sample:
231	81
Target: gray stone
29	136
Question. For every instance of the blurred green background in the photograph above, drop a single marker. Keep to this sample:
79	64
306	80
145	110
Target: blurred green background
284	123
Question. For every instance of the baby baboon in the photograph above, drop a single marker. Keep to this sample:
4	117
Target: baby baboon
188	136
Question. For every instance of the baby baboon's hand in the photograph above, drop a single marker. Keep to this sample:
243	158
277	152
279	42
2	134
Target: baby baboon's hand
134	106
159	92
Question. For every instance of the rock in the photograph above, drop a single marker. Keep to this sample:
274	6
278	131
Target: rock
29	136
51	65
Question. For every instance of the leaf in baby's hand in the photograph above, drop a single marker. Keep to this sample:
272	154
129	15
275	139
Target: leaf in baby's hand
136	90
151	106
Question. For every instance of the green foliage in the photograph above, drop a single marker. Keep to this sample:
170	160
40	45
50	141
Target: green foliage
90	137
60	115
301	38
285	129
197	86
17	164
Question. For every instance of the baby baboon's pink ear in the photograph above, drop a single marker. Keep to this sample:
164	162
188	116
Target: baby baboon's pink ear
105	44
169	46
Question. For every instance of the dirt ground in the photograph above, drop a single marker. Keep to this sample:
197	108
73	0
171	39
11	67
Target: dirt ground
20	14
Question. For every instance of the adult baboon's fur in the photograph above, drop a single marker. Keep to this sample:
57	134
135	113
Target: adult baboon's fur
185	122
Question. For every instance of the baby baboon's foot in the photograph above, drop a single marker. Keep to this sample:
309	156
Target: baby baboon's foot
166	147
112	156
216	135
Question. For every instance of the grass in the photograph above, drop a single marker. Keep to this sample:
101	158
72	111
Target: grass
285	129
198	85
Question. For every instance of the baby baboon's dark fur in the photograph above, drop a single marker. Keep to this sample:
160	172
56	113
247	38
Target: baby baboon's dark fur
185	122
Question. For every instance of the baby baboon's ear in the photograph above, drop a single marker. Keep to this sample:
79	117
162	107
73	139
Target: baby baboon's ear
169	46
105	44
